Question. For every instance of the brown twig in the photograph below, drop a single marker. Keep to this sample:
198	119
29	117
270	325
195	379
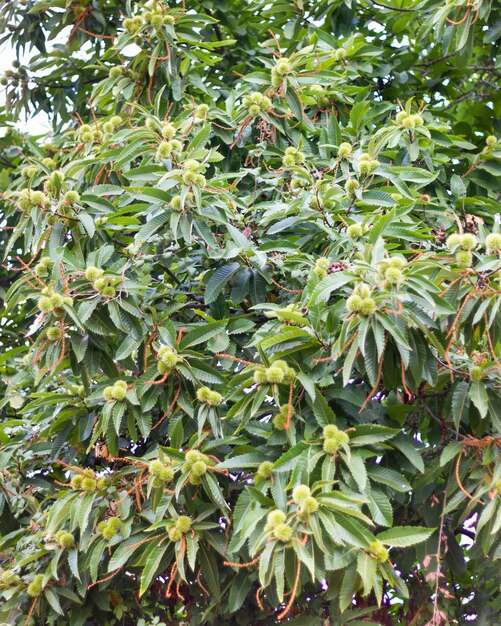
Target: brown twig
32	608
104	580
169	409
290	603
460	484
243	565
375	388
290	407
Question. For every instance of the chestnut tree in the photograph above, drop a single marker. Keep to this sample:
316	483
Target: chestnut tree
251	337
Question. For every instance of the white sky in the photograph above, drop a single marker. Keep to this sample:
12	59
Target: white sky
39	124
36	125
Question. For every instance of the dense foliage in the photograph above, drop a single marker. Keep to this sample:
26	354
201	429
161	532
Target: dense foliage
251	333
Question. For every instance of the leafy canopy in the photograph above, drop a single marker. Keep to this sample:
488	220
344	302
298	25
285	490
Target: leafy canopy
250	292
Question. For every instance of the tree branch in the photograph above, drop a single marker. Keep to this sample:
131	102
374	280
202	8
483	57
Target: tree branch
216	27
386	6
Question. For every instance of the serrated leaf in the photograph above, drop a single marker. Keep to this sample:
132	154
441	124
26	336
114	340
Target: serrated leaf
478	395
288	459
251	459
389	477
152	567
327	285
459	397
347	589
151	226
218	280
210	570
285	336
53	600
240	587
200	139
450	451
404	536
200	334
322	411
366	568
366	434
380	508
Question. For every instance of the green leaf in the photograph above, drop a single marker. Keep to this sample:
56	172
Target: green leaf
478	395
378	198
152	567
53	600
125	551
218	280
73	563
210	570
404	536
365	434
380	226
215	493
389	477
200	139
240	587
151	227
200	334
366	568
380	508
356	466
265	571
407	448
348	587
450	451
59	512
286	336
241	461
326	286
459	397
322	411
287	461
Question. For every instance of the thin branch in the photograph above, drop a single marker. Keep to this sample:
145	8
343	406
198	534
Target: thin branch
171	274
387	6
435	620
437	60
